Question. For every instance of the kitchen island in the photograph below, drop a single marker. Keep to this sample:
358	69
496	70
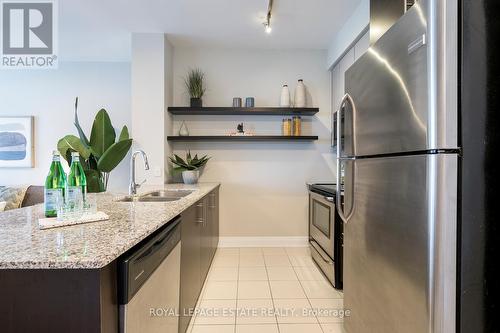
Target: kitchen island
64	279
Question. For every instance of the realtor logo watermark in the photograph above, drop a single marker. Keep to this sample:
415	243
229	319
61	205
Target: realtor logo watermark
29	34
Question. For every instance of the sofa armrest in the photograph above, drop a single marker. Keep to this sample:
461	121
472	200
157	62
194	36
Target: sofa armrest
33	196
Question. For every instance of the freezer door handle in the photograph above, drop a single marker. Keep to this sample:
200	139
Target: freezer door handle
345	99
340	207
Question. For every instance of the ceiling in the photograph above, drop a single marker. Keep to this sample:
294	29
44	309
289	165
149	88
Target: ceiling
100	29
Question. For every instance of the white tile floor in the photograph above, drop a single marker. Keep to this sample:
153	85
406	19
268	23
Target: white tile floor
267	290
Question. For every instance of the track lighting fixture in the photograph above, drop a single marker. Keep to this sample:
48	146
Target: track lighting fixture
267	24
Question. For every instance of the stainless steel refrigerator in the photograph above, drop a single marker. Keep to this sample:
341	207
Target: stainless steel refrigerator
400	155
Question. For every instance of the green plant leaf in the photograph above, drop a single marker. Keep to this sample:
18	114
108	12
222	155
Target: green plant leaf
81	134
184	166
124	135
189	164
91	163
114	155
94	181
72	143
103	134
195	83
179	160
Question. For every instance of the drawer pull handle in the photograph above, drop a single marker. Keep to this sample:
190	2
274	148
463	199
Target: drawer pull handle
318	250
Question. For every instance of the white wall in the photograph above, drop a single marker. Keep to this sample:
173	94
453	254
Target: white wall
349	32
152	61
263	189
49	95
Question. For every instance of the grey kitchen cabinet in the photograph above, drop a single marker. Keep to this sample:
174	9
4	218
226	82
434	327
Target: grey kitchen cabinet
190	266
362	45
199	241
210	229
205	237
338	74
214	215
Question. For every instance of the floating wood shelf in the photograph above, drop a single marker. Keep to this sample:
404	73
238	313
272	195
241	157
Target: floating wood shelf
261	111
247	138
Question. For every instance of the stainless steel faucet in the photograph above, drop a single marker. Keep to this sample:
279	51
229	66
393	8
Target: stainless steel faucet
132	188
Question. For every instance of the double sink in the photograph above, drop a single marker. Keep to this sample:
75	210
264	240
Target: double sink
157	196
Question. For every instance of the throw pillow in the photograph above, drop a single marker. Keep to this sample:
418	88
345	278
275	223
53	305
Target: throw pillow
13	196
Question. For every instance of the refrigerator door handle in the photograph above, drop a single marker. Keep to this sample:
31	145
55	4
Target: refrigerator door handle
345	99
340	208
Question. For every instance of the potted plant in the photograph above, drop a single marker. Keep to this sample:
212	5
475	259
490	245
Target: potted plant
195	85
190	167
101	153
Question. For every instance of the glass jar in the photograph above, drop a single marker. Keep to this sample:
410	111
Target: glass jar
286	127
297	126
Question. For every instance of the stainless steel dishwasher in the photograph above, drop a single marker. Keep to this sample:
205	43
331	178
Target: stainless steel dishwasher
149	283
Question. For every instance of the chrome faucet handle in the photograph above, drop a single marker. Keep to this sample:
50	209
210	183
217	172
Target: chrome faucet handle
141	183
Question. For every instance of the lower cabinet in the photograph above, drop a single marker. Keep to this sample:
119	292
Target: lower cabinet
205	237
210	230
213	212
199	240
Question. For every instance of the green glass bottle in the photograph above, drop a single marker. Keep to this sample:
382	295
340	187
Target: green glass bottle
55	183
77	183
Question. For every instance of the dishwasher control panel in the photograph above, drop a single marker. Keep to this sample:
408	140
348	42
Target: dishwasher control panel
137	264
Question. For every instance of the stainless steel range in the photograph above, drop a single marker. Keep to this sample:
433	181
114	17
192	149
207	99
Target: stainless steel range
326	232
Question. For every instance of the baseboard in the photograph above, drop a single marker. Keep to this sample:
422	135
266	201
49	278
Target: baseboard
263	241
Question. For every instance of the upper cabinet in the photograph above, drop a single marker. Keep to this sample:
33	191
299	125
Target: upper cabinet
338	72
362	45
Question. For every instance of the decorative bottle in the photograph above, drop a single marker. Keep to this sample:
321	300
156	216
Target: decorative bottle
55	184
300	95
285	97
77	183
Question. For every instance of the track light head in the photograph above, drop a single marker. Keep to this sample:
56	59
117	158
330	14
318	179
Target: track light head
268	28
267	24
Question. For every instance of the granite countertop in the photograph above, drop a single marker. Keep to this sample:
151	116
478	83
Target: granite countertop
92	245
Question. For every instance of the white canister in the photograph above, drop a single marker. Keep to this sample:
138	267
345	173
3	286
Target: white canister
300	95
285	97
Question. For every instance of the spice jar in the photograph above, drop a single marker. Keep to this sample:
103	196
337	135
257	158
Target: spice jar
297	126
286	127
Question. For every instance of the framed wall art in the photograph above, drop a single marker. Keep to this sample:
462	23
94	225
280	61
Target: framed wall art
16	142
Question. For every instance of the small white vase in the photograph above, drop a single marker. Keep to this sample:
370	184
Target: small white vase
183	131
190	176
300	95
285	97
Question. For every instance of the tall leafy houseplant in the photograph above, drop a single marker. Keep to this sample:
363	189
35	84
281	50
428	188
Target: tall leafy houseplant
99	155
195	86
